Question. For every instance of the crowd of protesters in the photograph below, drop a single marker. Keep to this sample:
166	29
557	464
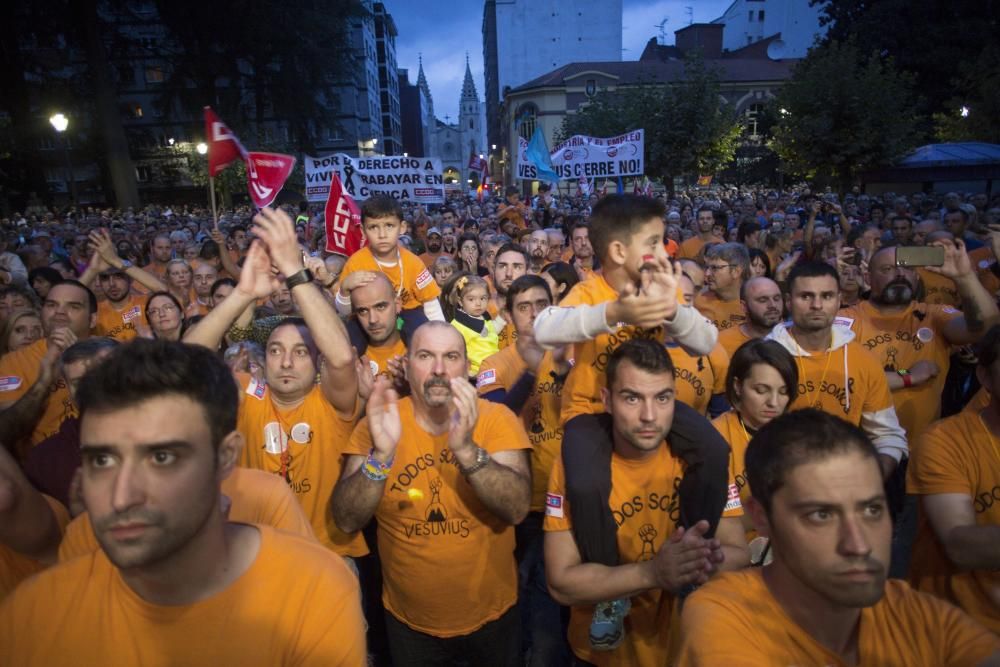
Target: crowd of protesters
726	426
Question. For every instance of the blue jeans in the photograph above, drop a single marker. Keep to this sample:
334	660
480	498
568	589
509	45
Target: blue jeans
543	637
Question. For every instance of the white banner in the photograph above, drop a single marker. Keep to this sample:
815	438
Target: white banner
412	179
590	157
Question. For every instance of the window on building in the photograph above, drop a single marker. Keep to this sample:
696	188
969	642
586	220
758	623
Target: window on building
749	39
526	119
136	111
751	120
126	74
471	126
750	16
154	74
760	15
143	173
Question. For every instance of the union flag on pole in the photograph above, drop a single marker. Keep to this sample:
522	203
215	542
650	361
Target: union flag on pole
266	175
224	147
343	221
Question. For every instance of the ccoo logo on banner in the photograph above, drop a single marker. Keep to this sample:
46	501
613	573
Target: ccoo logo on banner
412	179
590	157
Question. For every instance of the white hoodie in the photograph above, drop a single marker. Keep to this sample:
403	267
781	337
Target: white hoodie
853	386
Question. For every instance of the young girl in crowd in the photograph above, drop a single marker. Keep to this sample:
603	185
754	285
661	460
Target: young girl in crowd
468	296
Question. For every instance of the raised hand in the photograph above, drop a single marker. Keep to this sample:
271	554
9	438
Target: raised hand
637	308
355	280
256	278
276	230
100	240
318	267
662	284
463	421
956	260
383	419
366	381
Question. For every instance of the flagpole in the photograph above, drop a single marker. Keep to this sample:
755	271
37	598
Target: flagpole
211	195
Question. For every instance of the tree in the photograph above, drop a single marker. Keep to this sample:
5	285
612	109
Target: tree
843	112
687	130
973	113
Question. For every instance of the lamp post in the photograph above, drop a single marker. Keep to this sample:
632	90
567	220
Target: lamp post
202	149
60	122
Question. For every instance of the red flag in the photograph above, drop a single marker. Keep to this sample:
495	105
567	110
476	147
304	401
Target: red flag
474	163
343	221
224	147
266	175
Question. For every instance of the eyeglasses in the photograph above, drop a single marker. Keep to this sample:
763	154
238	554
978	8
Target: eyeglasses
717	267
165	309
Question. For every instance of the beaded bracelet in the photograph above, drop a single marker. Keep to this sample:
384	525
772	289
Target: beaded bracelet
374	469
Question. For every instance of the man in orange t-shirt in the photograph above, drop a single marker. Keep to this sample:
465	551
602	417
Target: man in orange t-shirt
294	426
511	263
727	265
376	309
955	471
817	493
691	249
173	577
657	558
762	305
447	477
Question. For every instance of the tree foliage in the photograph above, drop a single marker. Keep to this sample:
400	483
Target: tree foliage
688	131
843	112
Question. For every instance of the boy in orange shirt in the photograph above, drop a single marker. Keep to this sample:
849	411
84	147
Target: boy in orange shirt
174	581
817	493
381	222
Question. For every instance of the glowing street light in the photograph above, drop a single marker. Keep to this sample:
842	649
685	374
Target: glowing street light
171	141
60	122
202	148
964	112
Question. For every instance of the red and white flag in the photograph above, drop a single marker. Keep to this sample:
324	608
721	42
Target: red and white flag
343	221
266	175
224	147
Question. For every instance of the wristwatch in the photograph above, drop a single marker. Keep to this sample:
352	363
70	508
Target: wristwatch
299	278
482	460
126	265
906	375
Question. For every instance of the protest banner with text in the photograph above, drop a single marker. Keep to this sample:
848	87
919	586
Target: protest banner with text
590	157
411	179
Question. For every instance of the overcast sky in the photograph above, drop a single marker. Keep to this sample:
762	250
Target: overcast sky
444	31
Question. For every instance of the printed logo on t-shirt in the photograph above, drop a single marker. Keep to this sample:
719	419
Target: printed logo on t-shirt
733	499
949	310
256	389
131	314
842	321
487	377
554	505
424	279
10	382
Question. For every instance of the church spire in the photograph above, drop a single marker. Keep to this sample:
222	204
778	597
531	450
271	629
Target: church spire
422	81
469	85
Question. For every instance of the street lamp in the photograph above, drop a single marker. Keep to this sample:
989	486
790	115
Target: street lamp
171	141
202	148
964	112
60	122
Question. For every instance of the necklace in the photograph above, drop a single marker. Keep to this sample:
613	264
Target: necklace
399	263
826	367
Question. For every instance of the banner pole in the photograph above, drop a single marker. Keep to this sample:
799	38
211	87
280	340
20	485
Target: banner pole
211	196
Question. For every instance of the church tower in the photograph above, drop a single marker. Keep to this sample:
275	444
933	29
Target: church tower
427	112
471	119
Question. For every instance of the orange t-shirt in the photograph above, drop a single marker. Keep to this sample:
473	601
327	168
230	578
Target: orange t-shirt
723	314
297	604
411	279
582	393
378	357
646	508
302	445
256	496
982	259
732	338
429	258
507	336
691	249
447	561
698	378
18	371
540	414
957	455
939	290
120	324
899	341
735	620
16	567
728	424
671	247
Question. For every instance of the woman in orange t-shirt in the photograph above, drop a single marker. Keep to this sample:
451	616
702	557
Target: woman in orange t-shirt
761	383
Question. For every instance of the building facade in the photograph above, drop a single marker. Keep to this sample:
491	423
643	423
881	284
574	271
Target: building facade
388	81
795	21
456	142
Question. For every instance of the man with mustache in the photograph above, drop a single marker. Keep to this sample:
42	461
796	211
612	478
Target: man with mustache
913	341
448	477
763	306
433	241
817	494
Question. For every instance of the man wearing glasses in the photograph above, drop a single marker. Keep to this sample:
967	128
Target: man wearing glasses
726	267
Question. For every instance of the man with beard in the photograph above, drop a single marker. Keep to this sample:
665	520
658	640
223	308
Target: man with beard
433	242
691	249
511	263
446	474
158	436
160	254
836	373
376	307
583	252
762	304
913	341
122	309
817	494
538	251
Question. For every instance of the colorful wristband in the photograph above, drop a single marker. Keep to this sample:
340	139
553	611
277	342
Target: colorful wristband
374	469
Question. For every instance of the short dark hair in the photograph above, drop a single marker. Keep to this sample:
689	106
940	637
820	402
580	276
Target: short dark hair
645	354
761	351
757	253
91	297
811	269
564	274
220	282
146	369
511	190
46	273
511	247
988	350
24	291
746	229
88	348
794	439
169	295
209	250
381	206
856	233
523	284
618	218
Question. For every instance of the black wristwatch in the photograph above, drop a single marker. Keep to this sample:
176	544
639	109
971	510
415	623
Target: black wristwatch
482	460
299	278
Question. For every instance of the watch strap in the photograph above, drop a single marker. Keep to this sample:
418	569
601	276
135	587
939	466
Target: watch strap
482	460
299	278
